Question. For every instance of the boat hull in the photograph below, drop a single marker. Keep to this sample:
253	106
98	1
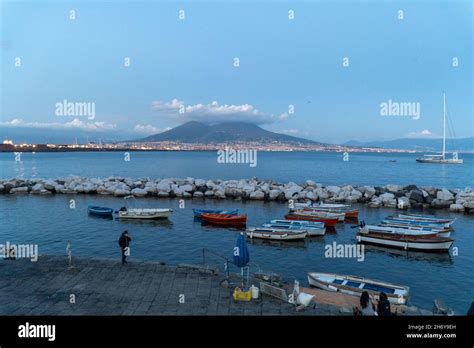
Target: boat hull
327	222
100	211
310	230
435	244
225	220
397	294
145	214
284	235
198	212
440	161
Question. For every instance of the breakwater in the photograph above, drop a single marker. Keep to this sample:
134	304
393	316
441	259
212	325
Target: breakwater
394	196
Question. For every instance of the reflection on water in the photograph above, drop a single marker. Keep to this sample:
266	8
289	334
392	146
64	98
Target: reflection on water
277	243
444	258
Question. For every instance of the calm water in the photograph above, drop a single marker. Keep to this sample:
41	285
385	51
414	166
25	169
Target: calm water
49	222
325	168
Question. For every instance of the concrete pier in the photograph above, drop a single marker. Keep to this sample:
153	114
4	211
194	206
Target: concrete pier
105	287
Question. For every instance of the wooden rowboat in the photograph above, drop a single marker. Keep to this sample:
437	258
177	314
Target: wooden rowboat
312	231
100	211
433	244
437	227
145	213
328	222
353	285
406	231
225	219
350	213
199	212
275	234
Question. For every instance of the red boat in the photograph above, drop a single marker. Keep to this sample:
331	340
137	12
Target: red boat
225	219
327	221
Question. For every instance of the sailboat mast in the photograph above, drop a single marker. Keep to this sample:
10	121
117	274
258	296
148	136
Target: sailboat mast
444	125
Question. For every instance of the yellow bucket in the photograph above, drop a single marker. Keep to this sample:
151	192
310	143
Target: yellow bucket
242	294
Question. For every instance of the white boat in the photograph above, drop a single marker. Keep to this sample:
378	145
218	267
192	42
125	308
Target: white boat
418	222
353	285
142	213
427	218
322	214
312	231
405	242
313	224
403	224
275	234
322	205
441	158
145	213
406	231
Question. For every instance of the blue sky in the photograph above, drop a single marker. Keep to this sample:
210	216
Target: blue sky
283	62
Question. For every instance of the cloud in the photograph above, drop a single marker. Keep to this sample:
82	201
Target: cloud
74	124
425	133
149	129
214	112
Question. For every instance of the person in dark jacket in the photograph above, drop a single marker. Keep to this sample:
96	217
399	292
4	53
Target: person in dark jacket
383	307
124	242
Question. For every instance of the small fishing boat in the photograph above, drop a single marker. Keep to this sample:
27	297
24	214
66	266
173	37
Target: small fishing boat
275	234
346	209
100	211
433	244
144	213
406	231
406	224
131	212
353	285
199	212
314	224
225	219
426	218
312	231
418	222
301	215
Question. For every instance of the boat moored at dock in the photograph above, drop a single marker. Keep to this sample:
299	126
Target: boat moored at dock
353	285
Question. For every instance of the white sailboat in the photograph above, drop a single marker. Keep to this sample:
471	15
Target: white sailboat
442	157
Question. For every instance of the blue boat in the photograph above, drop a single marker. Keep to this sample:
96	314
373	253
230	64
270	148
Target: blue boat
100	211
198	212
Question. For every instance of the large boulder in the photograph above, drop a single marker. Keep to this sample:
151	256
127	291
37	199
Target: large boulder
403	203
440	203
457	207
333	190
198	194
392	188
164	186
257	195
219	194
311	195
199	182
209	193
387	197
416	195
273	194
369	191
444	195
21	189
310	183
36	189
139	192
292	190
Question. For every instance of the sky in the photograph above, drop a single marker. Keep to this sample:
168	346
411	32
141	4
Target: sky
315	69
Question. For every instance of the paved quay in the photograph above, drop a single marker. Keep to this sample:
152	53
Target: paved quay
105	287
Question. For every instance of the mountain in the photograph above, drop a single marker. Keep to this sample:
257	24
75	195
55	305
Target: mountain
419	144
196	132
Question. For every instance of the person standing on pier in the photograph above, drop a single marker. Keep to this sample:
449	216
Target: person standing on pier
124	242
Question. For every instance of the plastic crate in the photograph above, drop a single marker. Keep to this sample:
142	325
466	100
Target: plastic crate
242	294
